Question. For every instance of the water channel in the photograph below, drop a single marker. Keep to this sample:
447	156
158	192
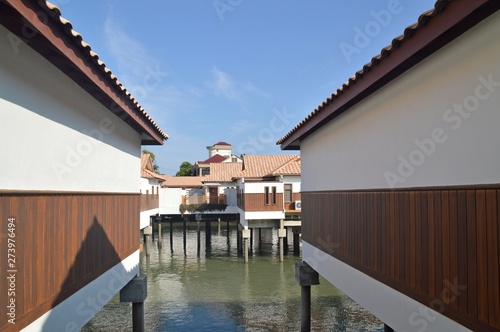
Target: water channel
217	291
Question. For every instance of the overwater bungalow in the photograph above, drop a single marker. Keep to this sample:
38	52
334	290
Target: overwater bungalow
400	176
70	173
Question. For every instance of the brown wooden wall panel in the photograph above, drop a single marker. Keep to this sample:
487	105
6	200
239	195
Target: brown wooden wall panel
255	202
438	246
149	202
63	242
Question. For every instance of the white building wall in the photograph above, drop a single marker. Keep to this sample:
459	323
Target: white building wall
170	199
436	125
55	136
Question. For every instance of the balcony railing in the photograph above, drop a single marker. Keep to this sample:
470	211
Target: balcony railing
149	202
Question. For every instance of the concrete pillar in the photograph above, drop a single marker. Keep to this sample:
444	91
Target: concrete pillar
281	235
306	277
159	236
246	237
136	292
147	239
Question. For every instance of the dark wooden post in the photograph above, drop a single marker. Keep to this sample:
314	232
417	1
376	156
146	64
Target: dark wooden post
296	240
172	234
251	239
184	230
136	292
208	236
305	277
198	238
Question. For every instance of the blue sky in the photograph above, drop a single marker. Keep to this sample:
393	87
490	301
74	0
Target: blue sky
240	71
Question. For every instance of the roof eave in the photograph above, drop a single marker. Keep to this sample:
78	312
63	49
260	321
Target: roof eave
454	20
48	37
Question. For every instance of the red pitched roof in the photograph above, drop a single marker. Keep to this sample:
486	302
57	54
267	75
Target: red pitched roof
182	181
259	166
222	143
223	172
217	158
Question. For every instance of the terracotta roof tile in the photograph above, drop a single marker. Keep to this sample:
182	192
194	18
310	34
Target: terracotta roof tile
147	170
223	172
258	166
182	181
292	167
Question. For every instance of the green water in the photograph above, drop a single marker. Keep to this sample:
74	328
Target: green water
217	291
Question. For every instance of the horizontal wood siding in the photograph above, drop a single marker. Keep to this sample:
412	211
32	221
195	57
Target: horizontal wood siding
62	242
255	202
438	246
150	202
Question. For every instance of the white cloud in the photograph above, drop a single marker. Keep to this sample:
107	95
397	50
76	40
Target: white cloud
224	86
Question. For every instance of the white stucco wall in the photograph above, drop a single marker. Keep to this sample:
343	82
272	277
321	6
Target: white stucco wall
170	199
54	135
436	125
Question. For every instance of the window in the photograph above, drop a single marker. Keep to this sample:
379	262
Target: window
274	196
266	195
288	192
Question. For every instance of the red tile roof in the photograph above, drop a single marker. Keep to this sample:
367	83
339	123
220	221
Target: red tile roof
56	40
434	29
217	158
223	172
259	166
182	181
147	170
221	143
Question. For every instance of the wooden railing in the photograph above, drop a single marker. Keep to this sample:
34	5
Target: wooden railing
418	242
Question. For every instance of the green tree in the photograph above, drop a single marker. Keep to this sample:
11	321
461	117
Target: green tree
185	169
153	157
